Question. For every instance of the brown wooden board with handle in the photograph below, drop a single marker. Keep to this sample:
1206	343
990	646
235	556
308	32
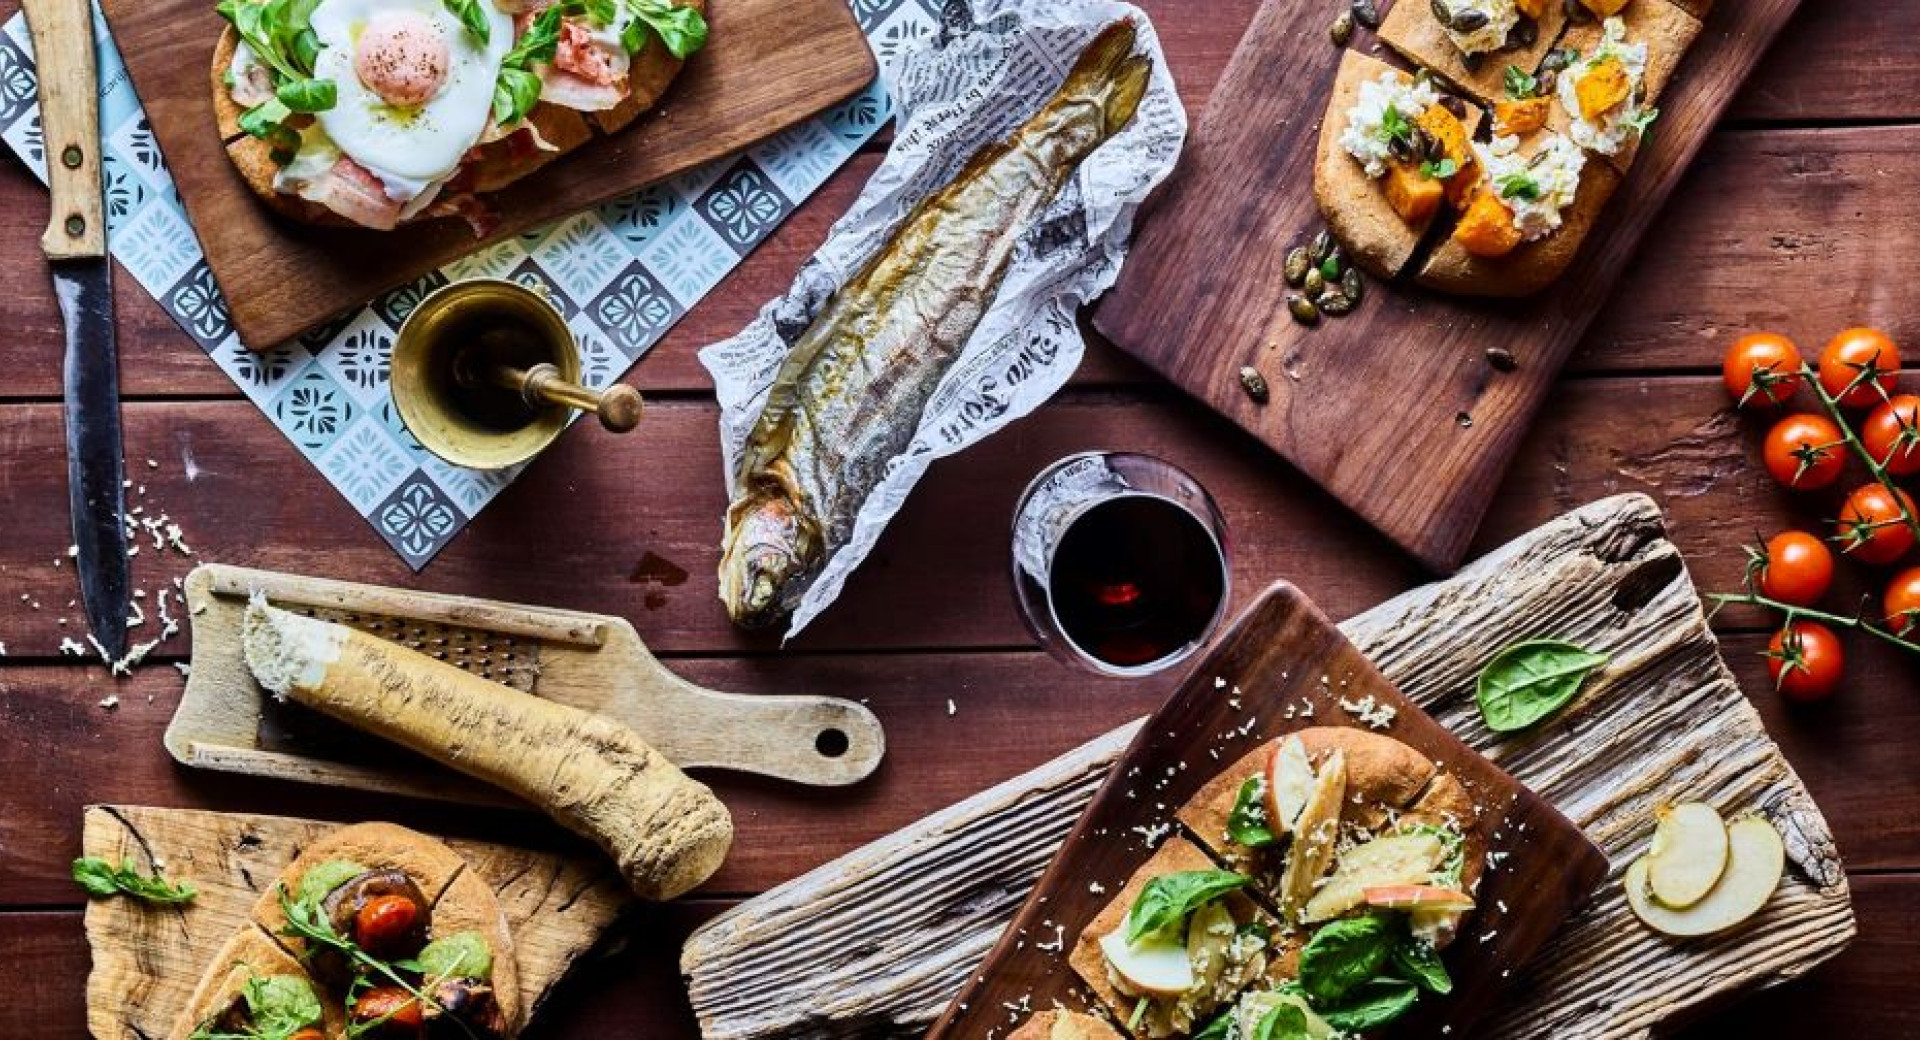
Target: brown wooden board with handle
592	661
768	65
147	959
1281	668
1396	408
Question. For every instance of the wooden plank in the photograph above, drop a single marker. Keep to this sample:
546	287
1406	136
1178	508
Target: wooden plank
769	64
1201	296
1603	576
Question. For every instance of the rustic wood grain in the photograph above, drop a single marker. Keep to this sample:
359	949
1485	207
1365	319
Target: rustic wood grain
1603	576
146	961
1202	295
769	65
1282	652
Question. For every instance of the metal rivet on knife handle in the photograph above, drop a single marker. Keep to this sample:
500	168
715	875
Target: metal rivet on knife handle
72	157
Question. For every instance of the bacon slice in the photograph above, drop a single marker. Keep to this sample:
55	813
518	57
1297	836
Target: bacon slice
481	219
252	86
349	190
567	90
590	59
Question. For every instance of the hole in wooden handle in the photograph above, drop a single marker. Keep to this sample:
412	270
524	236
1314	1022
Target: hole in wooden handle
832	743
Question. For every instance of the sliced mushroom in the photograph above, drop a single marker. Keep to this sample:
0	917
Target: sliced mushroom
1315	834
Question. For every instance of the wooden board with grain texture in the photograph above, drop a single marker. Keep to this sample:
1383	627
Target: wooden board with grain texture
1202	295
146	960
768	65
891	931
1290	670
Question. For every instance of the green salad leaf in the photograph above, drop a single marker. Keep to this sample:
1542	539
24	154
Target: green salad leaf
1285	1022
1247	823
1168	900
1373	1004
1419	962
473	18
682	29
1529	681
518	89
280	1005
462	955
102	879
1344	955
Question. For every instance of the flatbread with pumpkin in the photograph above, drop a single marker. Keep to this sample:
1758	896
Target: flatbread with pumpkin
1610	94
1413	28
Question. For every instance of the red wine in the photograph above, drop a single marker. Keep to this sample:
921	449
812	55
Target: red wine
1136	579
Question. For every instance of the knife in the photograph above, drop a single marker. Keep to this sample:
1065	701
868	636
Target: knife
76	246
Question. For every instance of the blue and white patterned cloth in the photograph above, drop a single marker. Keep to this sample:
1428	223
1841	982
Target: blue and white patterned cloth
623	274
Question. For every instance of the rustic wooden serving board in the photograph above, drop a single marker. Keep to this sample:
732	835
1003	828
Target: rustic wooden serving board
890	932
1396	408
146	960
1288	668
768	65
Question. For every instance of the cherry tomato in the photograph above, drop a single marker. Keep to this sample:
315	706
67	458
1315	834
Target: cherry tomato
1891	434
1805	661
1902	602
309	1033
1805	451
1870	528
1854	354
1796	569
1762	369
384	925
397	1013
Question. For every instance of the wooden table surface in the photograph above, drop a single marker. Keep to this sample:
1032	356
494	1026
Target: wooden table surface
1798	217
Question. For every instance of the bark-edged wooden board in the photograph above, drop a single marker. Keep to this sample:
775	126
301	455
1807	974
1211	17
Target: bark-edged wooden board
147	960
768	65
1282	667
1395	408
891	931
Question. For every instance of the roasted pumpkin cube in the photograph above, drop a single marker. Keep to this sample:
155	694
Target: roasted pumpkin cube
1522	117
1413	195
1445	127
1600	8
1537	9
1462	185
1487	229
1604	86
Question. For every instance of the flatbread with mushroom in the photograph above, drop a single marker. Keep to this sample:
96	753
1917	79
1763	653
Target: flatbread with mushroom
250	979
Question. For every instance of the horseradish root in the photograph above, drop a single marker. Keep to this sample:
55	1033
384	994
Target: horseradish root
596	777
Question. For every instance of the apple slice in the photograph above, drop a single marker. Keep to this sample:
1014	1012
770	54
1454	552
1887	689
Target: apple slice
1409	897
1689	854
1156	968
1393	859
1289	783
1756	858
1315	832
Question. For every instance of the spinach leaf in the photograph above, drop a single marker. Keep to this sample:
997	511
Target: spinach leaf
539	42
1343	955
1286	1022
1372	1006
682	29
307	95
1421	963
1168	900
517	90
102	879
1247	823
634	36
473	18
1528	681
1221	1028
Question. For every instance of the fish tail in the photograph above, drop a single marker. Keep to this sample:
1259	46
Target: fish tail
1130	85
1111	74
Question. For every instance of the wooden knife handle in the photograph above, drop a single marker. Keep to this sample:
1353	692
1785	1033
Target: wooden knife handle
70	118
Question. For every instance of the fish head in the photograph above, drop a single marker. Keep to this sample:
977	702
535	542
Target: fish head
769	556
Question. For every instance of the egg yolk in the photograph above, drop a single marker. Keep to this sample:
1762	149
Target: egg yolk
402	57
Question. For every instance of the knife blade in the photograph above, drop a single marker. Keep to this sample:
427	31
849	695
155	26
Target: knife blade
76	246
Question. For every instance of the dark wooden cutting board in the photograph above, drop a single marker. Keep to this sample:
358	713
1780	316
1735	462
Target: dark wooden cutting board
768	65
1280	655
1396	408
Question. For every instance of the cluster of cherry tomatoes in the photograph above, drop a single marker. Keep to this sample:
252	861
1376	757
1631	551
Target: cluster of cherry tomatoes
1808	451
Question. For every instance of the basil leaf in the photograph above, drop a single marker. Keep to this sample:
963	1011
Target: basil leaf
280	1005
537	44
1528	681
472	18
1343	955
1286	1022
1168	900
1520	86
102	879
306	47
514	95
1247	823
1519	186
682	29
1221	1028
635	35
308	95
1420	962
1379	1002
463	955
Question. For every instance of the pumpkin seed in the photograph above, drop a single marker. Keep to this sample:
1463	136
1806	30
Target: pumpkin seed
1464	421
1352	285
1401	148
1321	246
1640	94
1315	282
1335	302
1469	20
1441	12
1454	105
1303	310
1367	13
1472	62
1254	384
1435	150
1342	29
1576	11
1296	266
1558	59
1545	83
1501	359
1525	32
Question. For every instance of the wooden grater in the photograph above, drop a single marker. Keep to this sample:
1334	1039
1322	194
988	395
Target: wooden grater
592	661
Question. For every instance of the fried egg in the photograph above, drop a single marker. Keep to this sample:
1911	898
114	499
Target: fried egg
414	88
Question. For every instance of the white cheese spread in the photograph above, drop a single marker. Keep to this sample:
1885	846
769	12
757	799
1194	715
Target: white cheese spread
1535	189
1501	15
1366	137
1622	124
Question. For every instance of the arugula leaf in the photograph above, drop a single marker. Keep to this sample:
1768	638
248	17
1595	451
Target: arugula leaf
1373	1005
682	29
1531	680
473	18
1520	186
1343	955
1520	85
307	95
1439	171
102	879
1421	963
1168	900
1286	1022
1247	823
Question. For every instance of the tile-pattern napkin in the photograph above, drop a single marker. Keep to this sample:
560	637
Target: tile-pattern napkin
622	274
